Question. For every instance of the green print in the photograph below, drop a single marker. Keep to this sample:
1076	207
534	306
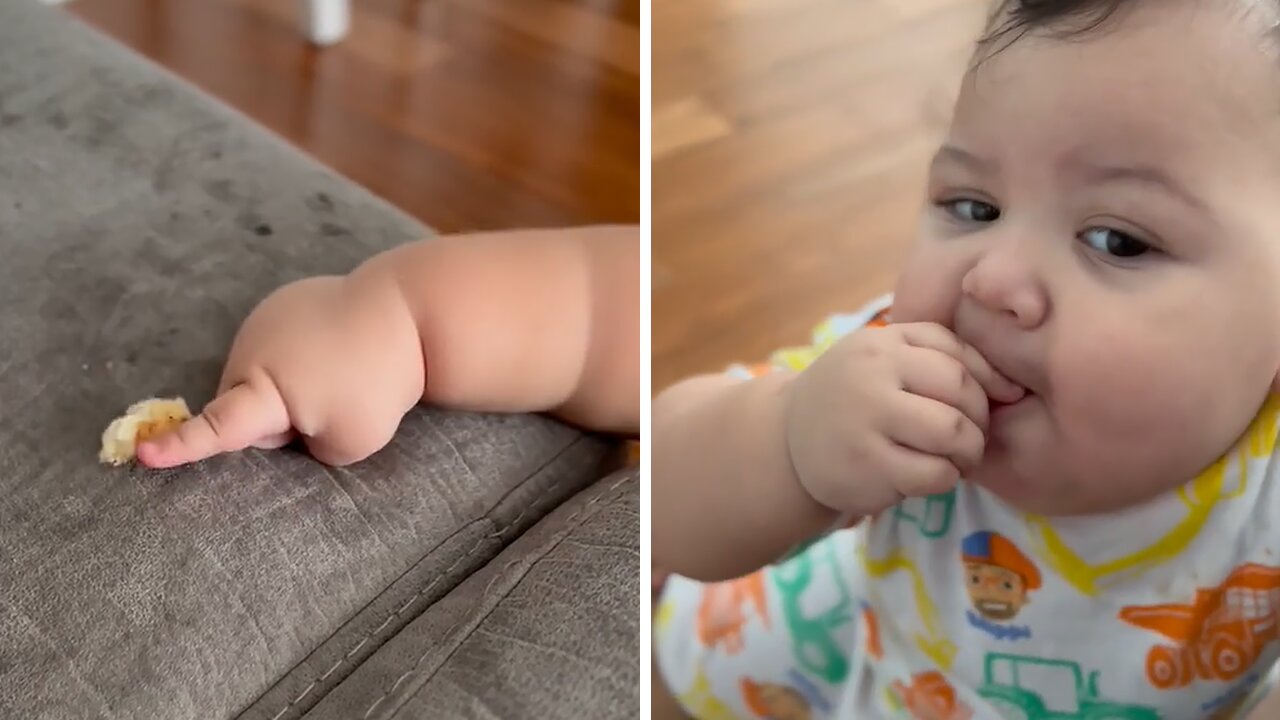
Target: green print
1030	688
814	637
800	549
934	519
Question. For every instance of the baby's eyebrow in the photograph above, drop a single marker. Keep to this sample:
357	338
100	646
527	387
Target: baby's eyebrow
960	156
1142	174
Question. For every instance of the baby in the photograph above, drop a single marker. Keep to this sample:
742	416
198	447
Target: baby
544	320
1043	482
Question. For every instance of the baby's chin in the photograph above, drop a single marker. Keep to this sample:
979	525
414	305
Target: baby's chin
1036	491
1047	491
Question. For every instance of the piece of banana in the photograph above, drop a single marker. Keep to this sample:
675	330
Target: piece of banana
144	419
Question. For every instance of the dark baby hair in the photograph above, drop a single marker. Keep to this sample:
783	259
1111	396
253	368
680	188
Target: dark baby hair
1011	19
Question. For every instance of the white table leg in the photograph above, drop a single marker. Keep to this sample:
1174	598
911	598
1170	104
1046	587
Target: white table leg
326	21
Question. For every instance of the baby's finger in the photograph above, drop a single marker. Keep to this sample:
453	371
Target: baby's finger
233	421
934	428
936	337
917	474
941	377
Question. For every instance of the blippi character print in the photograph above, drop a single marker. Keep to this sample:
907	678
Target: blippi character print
802	584
999	579
1021	686
796	700
1219	635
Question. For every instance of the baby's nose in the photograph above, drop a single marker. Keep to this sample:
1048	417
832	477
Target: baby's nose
1004	284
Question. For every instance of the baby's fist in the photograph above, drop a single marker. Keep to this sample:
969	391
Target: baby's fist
335	360
890	412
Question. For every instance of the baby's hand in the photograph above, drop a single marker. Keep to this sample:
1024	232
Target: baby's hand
890	412
335	360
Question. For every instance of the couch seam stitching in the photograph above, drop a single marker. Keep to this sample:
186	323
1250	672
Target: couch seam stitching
609	494
500	531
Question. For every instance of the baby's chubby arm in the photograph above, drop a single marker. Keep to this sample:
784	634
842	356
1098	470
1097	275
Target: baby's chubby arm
726	499
744	470
536	320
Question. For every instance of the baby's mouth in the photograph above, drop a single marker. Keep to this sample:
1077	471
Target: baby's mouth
995	406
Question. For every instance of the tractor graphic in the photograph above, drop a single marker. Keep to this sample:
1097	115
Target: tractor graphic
816	620
1029	688
1219	636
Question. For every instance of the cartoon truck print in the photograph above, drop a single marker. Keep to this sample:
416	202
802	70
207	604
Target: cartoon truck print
816	603
1219	636
1029	688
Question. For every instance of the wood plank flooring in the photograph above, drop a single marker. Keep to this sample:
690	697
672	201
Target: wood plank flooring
469	114
790	142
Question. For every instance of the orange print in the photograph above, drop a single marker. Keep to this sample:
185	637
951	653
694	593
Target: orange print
881	319
1219	635
773	701
720	615
931	697
874	648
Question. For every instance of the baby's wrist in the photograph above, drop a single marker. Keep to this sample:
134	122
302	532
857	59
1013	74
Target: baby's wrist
820	514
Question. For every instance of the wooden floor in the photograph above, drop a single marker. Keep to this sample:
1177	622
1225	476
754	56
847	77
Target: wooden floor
790	141
469	114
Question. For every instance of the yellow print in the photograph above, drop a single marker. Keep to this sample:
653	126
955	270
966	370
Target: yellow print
662	618
699	700
932	643
1200	497
825	335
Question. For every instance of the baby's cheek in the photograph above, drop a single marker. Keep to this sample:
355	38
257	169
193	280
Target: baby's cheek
928	290
1131	412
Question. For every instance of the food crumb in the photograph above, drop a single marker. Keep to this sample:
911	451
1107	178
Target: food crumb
143	420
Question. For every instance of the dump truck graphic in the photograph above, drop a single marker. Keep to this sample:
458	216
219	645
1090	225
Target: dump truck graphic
1219	635
720	613
1029	688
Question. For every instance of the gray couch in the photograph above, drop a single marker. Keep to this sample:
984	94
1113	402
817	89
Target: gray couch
479	566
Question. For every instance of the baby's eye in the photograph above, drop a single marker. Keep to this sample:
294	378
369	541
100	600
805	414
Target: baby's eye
1114	242
972	211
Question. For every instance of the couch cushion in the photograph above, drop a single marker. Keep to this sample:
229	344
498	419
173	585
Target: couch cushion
548	629
139	222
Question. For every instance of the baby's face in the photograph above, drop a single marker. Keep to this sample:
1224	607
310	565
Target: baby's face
1104	226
